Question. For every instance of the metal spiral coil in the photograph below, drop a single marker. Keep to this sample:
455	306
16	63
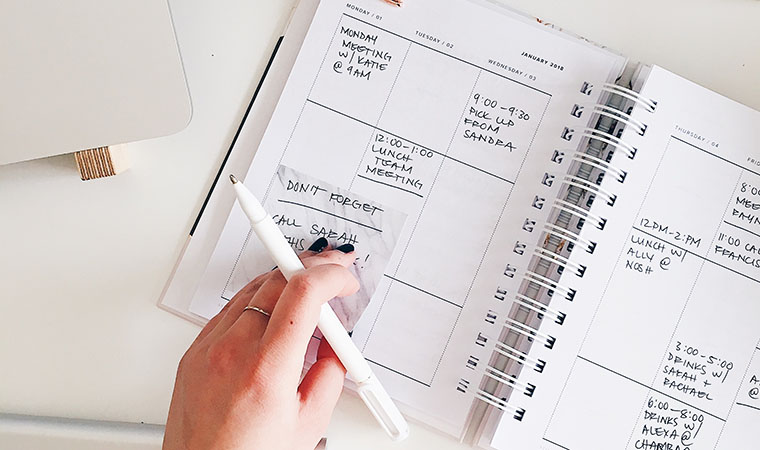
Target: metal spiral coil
557	241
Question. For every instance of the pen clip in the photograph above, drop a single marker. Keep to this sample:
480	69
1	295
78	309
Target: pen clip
383	408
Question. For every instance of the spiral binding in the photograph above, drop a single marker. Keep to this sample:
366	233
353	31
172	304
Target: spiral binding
607	138
556	258
567	235
630	94
620	116
586	185
575	210
600	164
519	356
549	284
552	255
541	309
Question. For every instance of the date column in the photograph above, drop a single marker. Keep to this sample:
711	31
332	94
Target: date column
345	101
403	166
716	332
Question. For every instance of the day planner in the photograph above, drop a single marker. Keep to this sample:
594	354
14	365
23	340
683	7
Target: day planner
663	350
561	249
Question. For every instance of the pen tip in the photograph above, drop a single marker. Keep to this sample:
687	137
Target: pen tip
233	179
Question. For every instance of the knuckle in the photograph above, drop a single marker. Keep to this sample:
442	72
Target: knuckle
276	283
275	276
249	289
326	254
261	383
259	280
313	260
302	285
335	256
262	378
222	357
306	254
339	270
256	287
326	257
211	324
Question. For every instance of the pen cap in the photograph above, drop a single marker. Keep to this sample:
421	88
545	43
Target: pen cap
382	407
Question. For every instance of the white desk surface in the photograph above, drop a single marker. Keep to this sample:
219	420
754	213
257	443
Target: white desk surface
82	264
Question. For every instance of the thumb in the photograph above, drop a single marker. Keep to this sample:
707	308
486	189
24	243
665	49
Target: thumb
321	387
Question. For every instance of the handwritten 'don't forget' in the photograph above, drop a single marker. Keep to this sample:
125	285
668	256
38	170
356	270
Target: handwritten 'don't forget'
307	209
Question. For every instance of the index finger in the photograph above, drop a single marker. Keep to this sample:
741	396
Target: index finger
296	314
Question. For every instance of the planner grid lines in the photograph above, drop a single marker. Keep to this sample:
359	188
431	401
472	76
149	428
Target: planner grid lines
736	402
313	105
703	258
445	155
593	319
448	55
675	329
721	417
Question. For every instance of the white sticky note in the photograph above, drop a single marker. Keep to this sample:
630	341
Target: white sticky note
306	209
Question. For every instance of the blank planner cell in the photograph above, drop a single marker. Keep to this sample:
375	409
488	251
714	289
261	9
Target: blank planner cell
429	98
612	401
411	332
340	146
455	219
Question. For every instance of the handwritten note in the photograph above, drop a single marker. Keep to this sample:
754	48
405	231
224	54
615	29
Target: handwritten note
360	54
667	357
307	209
453	128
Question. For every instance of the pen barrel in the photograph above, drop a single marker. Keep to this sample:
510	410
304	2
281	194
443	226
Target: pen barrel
335	333
373	394
277	246
329	324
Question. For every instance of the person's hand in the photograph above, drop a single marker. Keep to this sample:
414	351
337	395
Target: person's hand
238	384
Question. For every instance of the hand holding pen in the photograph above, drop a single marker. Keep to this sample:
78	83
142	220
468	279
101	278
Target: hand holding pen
238	384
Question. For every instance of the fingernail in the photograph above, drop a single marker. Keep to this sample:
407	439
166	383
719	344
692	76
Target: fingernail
351	333
346	248
318	245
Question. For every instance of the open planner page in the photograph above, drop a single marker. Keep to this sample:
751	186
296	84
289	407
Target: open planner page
448	112
661	346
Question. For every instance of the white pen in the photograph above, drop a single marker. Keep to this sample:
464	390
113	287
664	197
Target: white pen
370	390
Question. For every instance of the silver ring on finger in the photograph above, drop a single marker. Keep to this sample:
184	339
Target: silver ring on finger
258	310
